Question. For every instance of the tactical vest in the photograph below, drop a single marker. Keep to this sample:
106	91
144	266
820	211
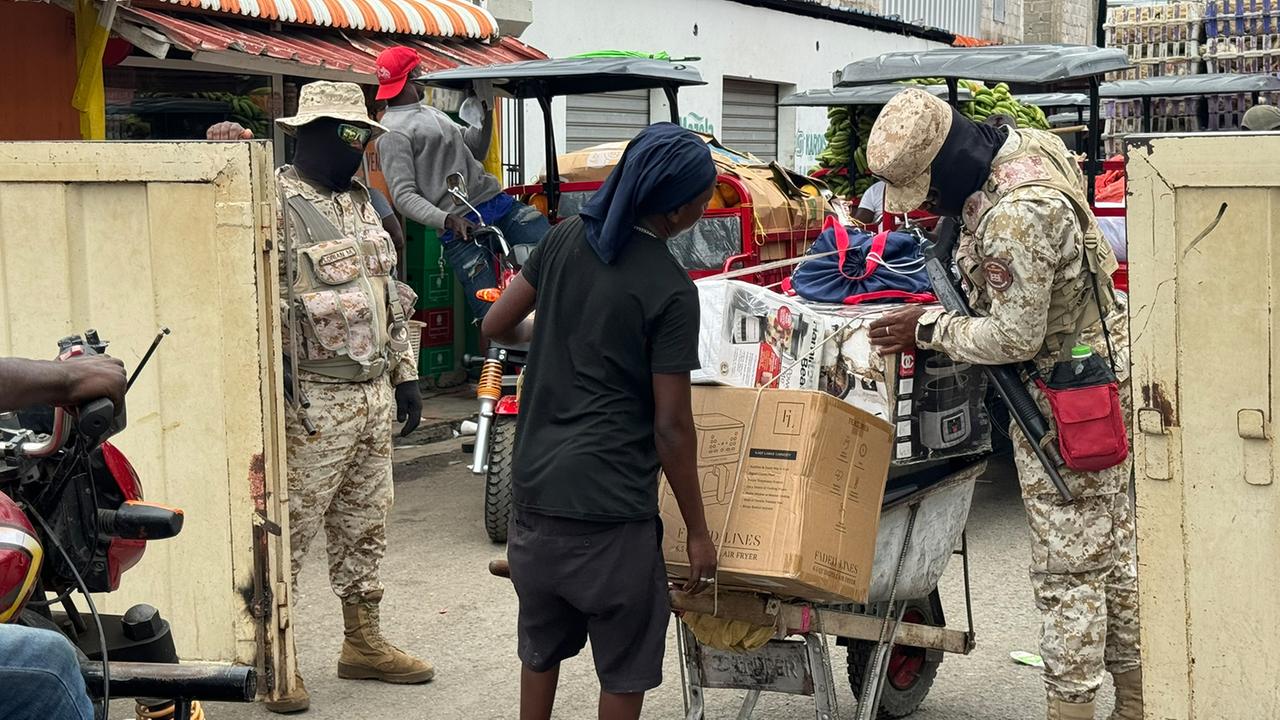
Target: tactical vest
344	293
1041	160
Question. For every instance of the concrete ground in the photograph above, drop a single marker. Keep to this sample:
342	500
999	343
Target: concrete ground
442	604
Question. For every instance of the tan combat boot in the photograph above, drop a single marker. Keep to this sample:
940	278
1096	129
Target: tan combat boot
292	701
366	655
1063	710
1128	695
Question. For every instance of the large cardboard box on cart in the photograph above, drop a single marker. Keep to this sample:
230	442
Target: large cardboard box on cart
792	482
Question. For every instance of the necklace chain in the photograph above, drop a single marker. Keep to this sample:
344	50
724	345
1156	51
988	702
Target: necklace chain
646	231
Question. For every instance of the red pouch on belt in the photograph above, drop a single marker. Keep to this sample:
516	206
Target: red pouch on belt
1091	431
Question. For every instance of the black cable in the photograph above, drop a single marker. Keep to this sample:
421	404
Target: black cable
47	603
93	609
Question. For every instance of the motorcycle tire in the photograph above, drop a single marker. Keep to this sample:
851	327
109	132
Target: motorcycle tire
911	670
497	482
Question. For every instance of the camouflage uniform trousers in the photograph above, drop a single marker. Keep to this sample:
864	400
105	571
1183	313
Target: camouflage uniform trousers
341	478
1083	571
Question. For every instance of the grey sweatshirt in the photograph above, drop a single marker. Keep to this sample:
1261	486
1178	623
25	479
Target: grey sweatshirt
425	146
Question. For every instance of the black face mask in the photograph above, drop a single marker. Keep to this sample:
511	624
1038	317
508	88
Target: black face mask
323	157
963	164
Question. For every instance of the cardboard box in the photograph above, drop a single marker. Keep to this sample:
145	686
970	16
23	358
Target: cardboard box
749	336
591	164
792	487
937	406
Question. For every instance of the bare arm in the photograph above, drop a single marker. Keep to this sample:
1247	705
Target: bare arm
505	321
396	154
26	383
677	445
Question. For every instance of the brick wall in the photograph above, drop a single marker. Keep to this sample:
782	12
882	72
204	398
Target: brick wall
1060	21
1009	31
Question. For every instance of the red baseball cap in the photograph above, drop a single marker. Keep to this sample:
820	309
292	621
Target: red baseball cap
395	65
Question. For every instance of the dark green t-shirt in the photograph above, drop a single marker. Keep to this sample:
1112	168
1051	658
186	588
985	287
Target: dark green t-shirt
584	444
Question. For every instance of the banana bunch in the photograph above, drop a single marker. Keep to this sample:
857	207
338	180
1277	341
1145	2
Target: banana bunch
243	110
844	154
997	101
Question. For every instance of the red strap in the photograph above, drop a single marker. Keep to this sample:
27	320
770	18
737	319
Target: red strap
842	244
902	295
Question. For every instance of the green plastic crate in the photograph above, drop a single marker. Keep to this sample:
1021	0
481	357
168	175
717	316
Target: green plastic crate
437	289
435	360
422	247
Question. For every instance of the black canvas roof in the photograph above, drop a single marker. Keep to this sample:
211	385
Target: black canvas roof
1022	64
860	95
1178	85
572	76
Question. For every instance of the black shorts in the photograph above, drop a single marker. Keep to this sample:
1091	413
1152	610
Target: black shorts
604	581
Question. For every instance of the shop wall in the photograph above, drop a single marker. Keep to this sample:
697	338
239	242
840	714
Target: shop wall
40	72
733	40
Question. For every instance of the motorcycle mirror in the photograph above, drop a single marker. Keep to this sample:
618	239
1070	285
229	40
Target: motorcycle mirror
457	185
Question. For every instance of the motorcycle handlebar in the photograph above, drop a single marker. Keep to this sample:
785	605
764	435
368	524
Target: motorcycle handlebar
214	683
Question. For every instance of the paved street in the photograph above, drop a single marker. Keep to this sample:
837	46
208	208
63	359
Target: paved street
442	603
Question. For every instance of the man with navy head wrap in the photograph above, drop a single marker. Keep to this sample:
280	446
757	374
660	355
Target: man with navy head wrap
605	406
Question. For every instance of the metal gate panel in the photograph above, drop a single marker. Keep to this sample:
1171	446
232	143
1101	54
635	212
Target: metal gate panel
128	237
605	117
1204	240
750	118
958	16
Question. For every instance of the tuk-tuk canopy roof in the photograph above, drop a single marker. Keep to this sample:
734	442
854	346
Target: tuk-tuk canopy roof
861	95
1181	85
1052	100
571	76
1023	64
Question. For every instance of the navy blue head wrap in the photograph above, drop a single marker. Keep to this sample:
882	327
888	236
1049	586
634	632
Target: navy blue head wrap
663	169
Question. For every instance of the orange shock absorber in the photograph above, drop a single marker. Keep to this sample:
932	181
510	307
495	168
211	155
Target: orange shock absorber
490	386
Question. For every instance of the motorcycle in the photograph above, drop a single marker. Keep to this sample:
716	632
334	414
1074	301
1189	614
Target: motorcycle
493	452
76	504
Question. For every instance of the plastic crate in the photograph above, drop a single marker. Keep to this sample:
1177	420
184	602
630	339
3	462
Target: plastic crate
437	288
436	360
438	326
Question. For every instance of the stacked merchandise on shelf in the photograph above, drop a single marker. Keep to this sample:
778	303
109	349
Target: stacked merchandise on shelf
1161	39
1242	36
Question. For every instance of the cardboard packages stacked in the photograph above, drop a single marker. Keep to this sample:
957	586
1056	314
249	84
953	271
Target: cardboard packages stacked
792	482
753	337
935	404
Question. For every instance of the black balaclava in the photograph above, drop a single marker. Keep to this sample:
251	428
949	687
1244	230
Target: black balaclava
963	164
323	157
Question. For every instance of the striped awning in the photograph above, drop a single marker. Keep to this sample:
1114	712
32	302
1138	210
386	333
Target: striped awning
311	52
436	18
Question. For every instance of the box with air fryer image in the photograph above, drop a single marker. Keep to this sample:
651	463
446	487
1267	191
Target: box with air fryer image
936	405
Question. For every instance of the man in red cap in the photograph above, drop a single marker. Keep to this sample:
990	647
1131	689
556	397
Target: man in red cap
423	146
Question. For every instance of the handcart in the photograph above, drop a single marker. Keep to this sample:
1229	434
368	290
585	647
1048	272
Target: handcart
896	641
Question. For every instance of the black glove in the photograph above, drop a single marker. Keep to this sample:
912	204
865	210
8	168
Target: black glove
408	406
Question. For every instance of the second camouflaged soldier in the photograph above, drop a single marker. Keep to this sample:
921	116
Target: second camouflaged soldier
347	333
1030	255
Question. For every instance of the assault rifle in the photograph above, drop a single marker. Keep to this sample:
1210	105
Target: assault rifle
1007	379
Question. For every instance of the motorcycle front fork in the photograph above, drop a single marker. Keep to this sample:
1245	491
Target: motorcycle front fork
489	391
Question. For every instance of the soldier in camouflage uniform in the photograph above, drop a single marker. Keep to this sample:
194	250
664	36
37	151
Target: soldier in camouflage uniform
346	332
1029	256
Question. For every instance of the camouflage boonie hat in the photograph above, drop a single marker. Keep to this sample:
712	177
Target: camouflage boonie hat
904	141
337	100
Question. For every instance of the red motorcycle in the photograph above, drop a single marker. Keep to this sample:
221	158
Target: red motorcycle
73	519
494	445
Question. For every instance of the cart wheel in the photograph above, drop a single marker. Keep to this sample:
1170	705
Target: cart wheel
497	483
911	670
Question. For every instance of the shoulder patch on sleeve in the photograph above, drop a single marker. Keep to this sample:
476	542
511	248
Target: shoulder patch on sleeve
999	274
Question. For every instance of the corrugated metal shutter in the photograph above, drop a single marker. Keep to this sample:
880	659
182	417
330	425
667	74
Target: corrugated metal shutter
605	117
958	16
750	121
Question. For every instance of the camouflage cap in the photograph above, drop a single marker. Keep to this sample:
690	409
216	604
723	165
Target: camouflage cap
337	100
1261	118
904	141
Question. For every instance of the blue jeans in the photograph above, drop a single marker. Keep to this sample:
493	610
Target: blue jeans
473	266
40	676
